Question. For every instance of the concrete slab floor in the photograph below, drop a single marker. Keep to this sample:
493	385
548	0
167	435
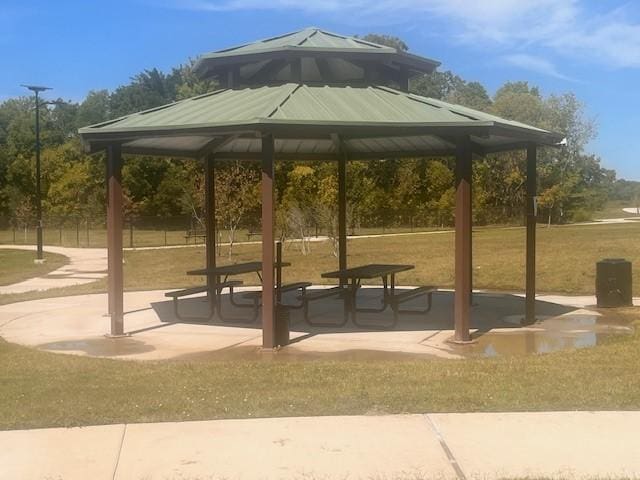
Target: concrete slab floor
78	325
568	445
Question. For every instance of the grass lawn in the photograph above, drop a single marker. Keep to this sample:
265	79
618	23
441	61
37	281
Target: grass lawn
39	389
613	209
18	265
565	264
566	259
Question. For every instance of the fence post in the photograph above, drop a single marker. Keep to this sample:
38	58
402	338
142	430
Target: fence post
14	234
87	221
77	232
60	234
165	233
130	233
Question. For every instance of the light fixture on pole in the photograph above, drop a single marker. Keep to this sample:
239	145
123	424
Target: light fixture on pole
37	89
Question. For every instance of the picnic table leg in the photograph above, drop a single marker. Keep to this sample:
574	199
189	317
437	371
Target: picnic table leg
352	299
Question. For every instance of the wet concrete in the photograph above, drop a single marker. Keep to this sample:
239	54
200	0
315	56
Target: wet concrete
77	325
100	347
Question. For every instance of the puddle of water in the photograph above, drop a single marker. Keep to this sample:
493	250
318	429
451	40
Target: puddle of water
528	342
100	347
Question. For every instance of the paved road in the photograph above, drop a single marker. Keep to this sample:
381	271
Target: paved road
448	446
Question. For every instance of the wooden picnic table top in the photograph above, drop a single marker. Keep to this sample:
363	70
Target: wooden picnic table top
234	269
373	270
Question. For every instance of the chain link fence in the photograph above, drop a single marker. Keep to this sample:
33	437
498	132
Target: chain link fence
144	231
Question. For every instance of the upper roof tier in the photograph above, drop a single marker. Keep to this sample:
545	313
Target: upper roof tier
311	56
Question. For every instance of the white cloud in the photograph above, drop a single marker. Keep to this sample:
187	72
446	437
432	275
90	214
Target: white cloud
565	28
535	64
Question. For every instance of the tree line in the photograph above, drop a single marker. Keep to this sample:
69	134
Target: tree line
418	191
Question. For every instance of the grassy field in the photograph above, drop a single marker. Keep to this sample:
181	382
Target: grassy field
18	265
565	264
566	259
613	209
39	389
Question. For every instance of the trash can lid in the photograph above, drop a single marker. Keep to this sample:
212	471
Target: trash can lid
614	260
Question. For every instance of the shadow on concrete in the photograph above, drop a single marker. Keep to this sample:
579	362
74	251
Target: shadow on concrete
489	311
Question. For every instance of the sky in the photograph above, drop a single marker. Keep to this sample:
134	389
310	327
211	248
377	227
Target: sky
590	48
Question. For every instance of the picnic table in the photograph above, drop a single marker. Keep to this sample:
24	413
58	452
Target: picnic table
219	279
351	278
235	269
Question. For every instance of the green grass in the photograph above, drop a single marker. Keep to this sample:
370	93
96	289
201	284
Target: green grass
18	265
613	209
40	389
566	259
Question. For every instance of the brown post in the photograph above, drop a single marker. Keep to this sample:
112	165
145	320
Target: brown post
462	297
268	283
114	242
210	224
109	247
342	211
530	287
470	220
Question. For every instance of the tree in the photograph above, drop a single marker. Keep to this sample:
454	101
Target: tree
388	40
300	201
237	193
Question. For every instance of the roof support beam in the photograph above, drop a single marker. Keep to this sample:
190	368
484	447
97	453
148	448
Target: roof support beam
210	225
268	260
342	203
530	284
462	295
114	241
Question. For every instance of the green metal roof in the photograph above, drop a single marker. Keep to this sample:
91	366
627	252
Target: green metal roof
312	42
374	120
310	37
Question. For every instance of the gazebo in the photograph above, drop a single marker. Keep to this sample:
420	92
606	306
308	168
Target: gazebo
315	95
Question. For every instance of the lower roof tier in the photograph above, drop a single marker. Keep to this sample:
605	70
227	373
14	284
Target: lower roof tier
306	120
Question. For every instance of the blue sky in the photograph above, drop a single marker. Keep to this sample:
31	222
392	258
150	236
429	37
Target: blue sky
591	48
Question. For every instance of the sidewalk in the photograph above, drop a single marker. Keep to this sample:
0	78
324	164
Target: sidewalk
447	446
85	265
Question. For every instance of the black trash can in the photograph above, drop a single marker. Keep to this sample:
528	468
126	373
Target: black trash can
282	326
613	283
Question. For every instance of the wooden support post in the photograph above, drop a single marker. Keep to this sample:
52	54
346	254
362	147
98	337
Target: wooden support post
530	287
114	233
470	220
109	247
462	298
268	281
210	225
342	211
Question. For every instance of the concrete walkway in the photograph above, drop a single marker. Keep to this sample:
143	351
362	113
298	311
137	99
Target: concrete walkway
85	265
77	325
447	446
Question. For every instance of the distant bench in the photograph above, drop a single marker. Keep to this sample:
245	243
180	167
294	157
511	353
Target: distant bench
195	234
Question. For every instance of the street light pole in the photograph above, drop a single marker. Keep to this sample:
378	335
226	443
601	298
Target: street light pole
39	254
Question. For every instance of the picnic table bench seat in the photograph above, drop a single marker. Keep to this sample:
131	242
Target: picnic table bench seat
404	295
256	295
394	299
185	292
319	294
